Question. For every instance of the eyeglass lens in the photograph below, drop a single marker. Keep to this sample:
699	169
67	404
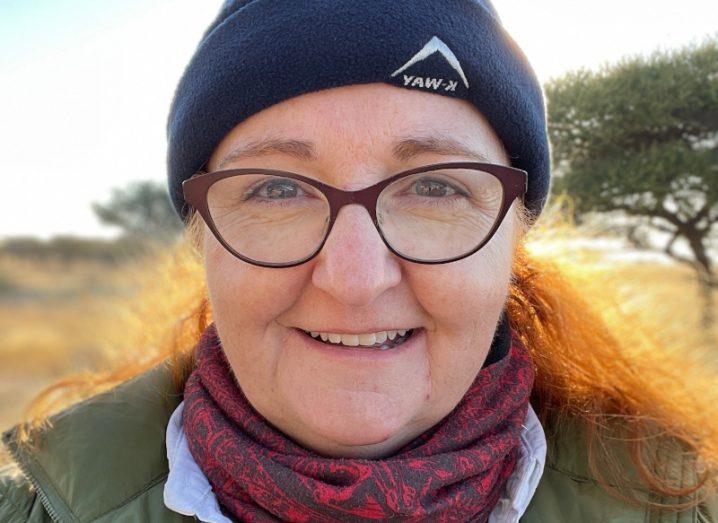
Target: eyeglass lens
426	216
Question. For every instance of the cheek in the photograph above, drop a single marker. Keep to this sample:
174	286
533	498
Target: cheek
458	296
246	291
246	300
463	300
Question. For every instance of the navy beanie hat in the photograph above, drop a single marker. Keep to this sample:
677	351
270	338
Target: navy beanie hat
257	53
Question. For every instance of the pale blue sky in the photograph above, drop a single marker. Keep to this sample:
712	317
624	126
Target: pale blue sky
85	86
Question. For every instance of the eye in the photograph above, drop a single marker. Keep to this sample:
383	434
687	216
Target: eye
433	188
276	190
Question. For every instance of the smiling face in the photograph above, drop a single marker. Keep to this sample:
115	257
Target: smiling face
338	400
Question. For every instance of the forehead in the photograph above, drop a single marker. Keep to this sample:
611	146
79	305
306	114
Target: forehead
364	121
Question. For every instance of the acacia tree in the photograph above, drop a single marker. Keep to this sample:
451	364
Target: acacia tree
640	138
142	210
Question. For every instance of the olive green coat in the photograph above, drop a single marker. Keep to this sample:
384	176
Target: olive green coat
104	460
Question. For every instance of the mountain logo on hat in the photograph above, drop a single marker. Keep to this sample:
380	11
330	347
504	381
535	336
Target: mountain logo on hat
432	46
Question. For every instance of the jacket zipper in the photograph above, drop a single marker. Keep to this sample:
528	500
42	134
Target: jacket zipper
38	490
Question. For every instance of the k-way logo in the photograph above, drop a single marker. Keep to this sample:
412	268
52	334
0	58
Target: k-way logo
429	83
433	46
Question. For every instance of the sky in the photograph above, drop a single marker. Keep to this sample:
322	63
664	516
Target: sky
85	86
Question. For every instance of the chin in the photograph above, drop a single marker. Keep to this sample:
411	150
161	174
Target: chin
354	423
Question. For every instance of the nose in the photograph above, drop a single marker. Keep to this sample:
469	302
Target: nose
355	266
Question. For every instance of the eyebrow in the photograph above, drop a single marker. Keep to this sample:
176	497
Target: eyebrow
410	147
403	149
300	149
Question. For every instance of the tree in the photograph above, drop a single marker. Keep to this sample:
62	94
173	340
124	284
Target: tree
640	138
142	210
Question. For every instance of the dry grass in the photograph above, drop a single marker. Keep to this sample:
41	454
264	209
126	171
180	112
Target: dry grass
657	298
60	319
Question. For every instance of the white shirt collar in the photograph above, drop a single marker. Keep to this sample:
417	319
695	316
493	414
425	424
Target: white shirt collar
187	490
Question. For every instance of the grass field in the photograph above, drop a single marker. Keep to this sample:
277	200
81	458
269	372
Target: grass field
59	318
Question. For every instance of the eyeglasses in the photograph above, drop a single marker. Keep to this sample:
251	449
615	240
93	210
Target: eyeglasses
433	214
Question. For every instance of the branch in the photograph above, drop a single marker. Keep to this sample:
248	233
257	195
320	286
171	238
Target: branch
671	218
637	242
660	213
701	214
662	228
668	249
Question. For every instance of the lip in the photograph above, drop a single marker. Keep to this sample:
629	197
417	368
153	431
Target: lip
360	353
371	330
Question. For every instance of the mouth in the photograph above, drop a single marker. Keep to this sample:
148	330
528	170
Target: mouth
380	341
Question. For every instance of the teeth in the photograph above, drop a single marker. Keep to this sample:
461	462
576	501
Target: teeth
354	340
366	339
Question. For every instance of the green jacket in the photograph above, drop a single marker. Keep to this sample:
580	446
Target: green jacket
104	460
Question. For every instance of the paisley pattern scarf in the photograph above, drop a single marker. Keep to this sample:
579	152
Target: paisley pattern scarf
454	472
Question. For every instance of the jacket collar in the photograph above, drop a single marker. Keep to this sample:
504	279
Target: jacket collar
101	453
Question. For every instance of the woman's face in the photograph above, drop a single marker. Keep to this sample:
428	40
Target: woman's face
348	401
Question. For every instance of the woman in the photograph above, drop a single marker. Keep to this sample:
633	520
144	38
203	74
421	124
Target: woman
358	179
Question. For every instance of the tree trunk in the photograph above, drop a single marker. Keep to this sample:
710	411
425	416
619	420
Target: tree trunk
707	283
707	293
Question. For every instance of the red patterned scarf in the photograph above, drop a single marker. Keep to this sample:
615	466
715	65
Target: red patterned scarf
453	472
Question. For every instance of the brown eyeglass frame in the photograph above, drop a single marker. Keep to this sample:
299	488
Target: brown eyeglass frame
514	182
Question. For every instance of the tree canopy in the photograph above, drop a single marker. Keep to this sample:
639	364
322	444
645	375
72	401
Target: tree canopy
641	137
141	210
